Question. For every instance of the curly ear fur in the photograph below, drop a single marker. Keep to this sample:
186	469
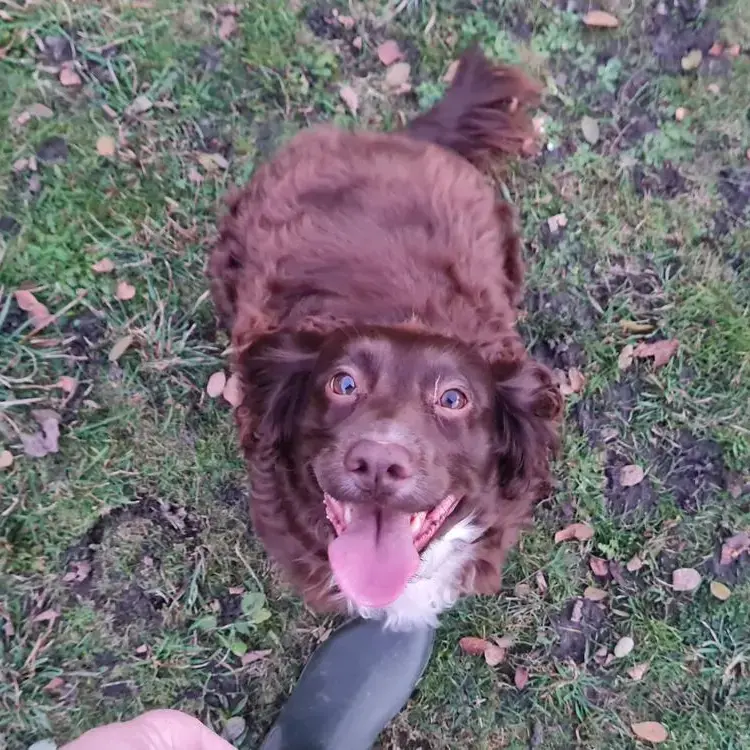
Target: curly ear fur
275	371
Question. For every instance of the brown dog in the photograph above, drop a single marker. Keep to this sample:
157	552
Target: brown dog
396	432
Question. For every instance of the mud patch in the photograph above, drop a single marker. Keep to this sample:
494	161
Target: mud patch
666	182
580	629
637	279
734	188
693	471
233	495
602	418
677	30
624	501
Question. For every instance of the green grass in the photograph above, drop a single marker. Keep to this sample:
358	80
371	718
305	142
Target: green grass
145	498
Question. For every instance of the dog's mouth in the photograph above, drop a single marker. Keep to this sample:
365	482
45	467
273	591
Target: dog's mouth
376	550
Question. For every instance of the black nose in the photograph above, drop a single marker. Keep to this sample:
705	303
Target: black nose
376	465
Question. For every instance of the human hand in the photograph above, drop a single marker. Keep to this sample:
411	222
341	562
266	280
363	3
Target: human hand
155	730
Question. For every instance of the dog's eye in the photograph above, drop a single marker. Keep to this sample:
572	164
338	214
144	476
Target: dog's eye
343	384
453	399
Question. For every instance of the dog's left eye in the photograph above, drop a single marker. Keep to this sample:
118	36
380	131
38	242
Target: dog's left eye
453	399
343	384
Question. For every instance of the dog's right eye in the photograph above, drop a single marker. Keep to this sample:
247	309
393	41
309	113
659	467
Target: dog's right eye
343	384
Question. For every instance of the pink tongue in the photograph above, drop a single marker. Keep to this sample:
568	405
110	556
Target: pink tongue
374	558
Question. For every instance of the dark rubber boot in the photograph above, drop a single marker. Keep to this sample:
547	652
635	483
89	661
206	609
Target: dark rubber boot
351	688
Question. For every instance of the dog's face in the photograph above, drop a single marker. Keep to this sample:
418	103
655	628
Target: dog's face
402	433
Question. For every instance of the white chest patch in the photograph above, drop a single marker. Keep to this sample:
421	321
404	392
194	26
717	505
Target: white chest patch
434	588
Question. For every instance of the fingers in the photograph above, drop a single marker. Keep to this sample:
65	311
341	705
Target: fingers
156	730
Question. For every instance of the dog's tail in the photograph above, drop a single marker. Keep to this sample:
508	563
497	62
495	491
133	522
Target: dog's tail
484	113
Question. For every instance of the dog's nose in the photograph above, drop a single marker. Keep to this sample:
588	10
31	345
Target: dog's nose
376	465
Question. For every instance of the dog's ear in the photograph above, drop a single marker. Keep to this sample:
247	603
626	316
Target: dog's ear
528	407
274	374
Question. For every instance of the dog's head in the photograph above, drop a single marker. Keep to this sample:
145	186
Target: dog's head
399	435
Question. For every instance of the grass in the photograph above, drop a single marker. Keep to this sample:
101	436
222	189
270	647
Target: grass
131	542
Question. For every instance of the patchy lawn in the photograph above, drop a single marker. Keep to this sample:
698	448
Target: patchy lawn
128	576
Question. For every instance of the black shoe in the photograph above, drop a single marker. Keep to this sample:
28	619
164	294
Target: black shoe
351	688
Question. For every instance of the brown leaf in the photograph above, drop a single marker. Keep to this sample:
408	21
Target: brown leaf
232	392
557	222
541	582
720	591
472	645
346	21
494	654
8	628
67	384
6	460
124	291
54	685
716	50
577	613
106	146
635	563
398	75
120	347
227	27
650	731
692	60
81	570
639	670
623	647
45	441
450	73
632	326
216	383
686	579
598	566
626	357
253	656
25	299
661	351
580	531
195	176
38	312
631	475
521	677
593	594
350	98
42	111
571	382
140	105
680	114
599	19
68	77
105	265
49	615
590	129
735	547
142	650
734	50
522	590
389	52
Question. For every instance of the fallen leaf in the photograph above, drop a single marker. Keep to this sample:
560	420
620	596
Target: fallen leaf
210	162
734	547
635	563
67	384
350	98
6	460
45	441
54	685
81	570
216	383
557	222
124	291
639	670
195	176
346	21
253	656
357	42
571	381
624	646
651	731
42	111
232	392
23	119
106	146
599	19
139	105
68	77
49	615
680	114
227	27
716	50
661	351
598	566
631	326
734	50
631	475
580	531
389	52
236	725
692	60
720	591
625	359
521	677
398	75
541	582
577	612
20	165
120	347
590	129
714	88
593	594
686	579
450	73
105	265
38	312
494	654
472	645
522	590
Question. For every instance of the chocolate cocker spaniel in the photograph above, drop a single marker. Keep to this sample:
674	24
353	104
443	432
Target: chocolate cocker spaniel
396	432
